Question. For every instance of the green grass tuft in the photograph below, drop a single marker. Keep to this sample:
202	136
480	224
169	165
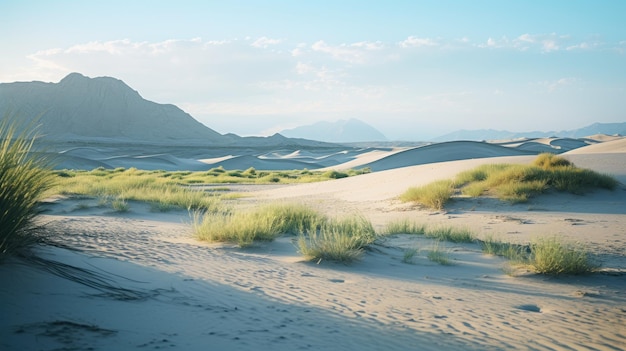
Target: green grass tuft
404	227
439	254
409	255
451	234
337	240
434	195
24	180
262	224
553	256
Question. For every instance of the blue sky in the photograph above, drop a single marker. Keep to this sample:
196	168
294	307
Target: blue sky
412	69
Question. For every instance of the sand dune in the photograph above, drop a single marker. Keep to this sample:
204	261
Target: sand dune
152	157
146	283
440	152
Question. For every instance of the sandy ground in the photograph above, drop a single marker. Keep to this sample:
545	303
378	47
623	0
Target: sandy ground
140	280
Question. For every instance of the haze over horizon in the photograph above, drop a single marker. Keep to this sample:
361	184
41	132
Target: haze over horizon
412	69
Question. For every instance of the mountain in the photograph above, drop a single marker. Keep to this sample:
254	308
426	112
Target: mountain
352	130
490	134
105	109
79	108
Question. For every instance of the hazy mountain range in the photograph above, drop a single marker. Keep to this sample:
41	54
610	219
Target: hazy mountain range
352	130
106	109
490	134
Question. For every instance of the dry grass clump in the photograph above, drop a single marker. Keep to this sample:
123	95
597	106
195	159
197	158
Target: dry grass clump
434	195
514	252
262	224
440	233
512	183
553	256
547	255
451	234
318	237
24	179
342	240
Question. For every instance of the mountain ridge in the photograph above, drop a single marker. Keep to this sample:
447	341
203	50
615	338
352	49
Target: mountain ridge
79	108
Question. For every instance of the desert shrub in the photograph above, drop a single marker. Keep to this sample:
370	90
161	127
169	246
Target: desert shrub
434	195
552	255
24	179
342	240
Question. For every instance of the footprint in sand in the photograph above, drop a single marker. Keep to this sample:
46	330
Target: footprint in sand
336	280
529	308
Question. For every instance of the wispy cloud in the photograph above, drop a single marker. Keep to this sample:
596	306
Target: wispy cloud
416	42
352	53
264	42
558	84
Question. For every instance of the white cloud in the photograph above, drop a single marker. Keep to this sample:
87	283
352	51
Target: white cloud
550	45
415	42
352	53
303	68
264	42
526	38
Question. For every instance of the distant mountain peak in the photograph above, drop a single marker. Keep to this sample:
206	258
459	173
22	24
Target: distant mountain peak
80	107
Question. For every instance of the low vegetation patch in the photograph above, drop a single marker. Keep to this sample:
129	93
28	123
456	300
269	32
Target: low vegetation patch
181	189
513	183
262	224
319	238
342	240
552	255
441	233
439	254
548	255
451	234
405	226
24	179
514	252
434	195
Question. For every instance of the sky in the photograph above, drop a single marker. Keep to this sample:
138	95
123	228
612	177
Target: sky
412	69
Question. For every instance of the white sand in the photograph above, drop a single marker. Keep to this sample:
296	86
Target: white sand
164	290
